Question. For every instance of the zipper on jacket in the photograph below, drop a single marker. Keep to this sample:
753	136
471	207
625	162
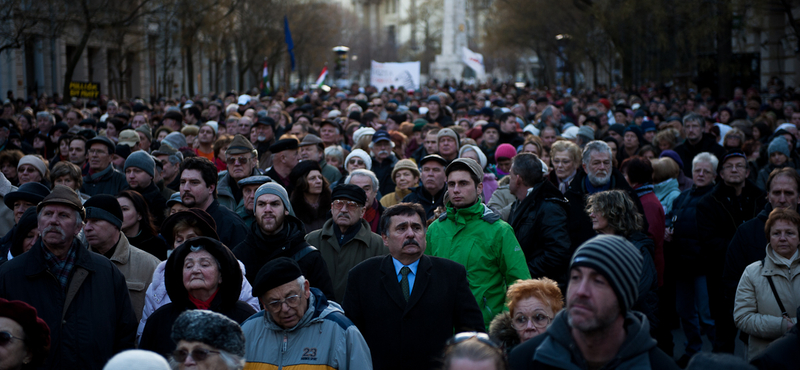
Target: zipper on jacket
285	343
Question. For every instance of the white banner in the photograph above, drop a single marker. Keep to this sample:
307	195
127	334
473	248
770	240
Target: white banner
474	61
395	74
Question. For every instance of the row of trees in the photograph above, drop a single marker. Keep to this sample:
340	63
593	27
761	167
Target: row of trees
233	37
649	40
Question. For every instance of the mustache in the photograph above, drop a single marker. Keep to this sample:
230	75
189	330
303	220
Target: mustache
57	229
410	242
383	152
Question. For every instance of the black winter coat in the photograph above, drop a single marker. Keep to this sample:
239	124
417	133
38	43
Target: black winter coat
687	151
383	171
156	202
98	321
421	196
156	334
580	225
719	214
230	227
747	246
257	249
647	303
540	225
109	181
685	244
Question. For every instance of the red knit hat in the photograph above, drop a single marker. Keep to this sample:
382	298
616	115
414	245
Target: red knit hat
37	333
505	151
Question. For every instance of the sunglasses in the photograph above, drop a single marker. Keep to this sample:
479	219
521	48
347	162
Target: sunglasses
339	204
6	337
480	337
231	160
198	354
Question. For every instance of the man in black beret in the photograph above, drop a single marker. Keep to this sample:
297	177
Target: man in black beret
103	178
320	332
284	159
346	239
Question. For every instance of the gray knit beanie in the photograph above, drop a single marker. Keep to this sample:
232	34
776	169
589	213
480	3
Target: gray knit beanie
176	140
211	328
617	260
276	189
140	159
780	145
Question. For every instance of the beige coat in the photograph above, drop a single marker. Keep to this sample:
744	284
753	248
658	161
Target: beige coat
756	311
137	266
340	259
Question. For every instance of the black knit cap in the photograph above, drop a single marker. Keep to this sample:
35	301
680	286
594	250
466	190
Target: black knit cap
617	260
351	192
275	273
104	207
211	328
284	144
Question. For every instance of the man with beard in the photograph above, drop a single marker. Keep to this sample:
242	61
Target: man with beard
733	201
81	296
199	190
242	162
345	239
278	233
393	298
596	175
265	134
383	160
598	327
471	234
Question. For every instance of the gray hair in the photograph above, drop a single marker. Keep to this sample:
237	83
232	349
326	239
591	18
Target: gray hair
366	173
301	281
694	117
45	114
335	151
705	157
595	146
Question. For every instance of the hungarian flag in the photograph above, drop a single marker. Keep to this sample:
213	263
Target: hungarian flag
265	79
322	76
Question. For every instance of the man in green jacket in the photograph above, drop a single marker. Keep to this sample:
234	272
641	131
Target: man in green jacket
471	234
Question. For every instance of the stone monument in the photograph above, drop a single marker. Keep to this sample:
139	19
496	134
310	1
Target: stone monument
448	64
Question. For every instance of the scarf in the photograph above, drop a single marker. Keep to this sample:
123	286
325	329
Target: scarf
564	185
371	215
202	305
644	190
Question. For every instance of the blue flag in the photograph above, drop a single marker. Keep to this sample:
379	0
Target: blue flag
289	42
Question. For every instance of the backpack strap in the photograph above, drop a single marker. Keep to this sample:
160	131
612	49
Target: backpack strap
303	252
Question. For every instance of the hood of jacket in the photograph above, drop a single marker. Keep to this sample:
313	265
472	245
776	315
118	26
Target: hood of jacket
464	215
318	308
227	291
556	348
666	187
502	331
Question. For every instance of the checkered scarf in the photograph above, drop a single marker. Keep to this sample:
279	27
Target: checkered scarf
61	269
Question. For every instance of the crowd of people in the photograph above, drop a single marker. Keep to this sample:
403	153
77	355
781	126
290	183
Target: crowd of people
359	229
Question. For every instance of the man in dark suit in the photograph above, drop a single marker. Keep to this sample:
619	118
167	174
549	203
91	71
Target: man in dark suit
408	304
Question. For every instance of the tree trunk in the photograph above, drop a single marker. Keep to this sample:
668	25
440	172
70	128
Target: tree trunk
189	69
75	58
724	51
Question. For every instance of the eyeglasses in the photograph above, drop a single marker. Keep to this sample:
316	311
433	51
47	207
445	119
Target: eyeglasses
232	160
351	205
6	337
539	320
467	335
198	354
291	301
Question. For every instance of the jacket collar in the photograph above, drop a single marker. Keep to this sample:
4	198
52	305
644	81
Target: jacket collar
123	253
35	263
362	234
102	174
